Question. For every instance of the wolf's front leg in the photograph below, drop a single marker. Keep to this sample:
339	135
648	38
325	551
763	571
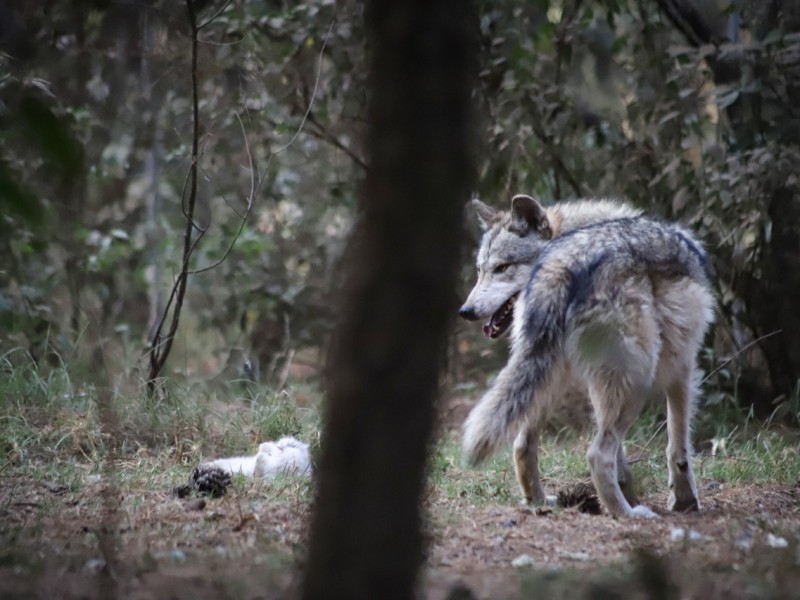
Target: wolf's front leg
526	466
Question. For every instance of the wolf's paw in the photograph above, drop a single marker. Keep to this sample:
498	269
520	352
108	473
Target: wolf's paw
642	512
548	500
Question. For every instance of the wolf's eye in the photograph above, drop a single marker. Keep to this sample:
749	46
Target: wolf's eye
502	268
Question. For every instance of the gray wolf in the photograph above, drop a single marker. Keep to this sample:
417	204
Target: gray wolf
601	300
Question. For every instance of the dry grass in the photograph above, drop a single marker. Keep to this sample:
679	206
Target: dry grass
88	514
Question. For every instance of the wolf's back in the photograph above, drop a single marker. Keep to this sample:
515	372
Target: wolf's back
584	263
572	272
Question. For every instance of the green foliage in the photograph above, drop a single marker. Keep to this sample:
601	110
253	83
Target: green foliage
15	199
733	455
50	422
56	143
766	456
576	98
491	484
99	142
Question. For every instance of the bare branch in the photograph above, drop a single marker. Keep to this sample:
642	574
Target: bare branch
323	134
742	350
158	341
313	93
160	349
250	204
213	17
160	346
555	156
256	177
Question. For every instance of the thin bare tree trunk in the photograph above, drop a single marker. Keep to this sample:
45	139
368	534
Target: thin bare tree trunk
366	536
152	167
161	343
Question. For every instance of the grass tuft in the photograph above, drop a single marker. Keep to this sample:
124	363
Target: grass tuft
48	422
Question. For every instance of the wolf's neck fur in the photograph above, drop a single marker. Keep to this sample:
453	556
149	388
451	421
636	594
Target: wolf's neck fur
564	216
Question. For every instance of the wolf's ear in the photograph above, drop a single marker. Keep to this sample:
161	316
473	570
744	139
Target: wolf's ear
527	216
486	214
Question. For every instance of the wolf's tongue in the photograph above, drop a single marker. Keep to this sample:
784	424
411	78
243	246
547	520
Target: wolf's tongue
494	326
500	321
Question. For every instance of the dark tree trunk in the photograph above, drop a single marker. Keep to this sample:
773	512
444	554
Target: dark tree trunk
771	298
366	539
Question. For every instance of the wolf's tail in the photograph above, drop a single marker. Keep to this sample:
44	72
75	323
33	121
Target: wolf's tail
530	366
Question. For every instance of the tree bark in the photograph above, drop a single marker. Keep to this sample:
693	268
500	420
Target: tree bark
771	298
366	539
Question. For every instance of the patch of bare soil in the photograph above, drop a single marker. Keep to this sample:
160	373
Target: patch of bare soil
737	527
99	542
742	534
494	536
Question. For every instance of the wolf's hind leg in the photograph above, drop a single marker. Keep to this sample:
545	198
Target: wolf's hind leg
526	466
680	405
616	407
602	456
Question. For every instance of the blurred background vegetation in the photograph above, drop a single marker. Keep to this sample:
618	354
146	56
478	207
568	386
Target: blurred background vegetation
686	107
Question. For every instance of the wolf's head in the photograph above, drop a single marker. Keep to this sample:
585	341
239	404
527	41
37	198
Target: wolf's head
511	242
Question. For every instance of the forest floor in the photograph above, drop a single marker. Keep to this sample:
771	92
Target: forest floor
74	524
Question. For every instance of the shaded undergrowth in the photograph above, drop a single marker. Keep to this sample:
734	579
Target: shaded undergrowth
50	422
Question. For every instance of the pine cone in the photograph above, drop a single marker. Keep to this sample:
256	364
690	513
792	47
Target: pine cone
581	495
210	481
206	480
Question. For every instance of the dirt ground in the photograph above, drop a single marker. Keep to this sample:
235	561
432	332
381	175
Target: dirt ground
101	539
96	543
732	530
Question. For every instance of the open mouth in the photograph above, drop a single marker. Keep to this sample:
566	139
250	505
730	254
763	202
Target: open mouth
501	320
